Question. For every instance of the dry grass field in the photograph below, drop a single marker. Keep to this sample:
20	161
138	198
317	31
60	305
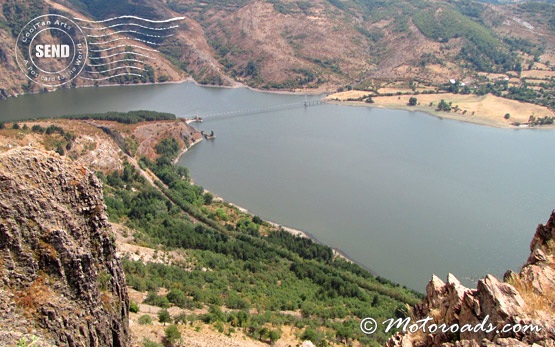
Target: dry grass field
487	109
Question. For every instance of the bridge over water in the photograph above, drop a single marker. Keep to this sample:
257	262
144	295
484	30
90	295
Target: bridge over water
263	109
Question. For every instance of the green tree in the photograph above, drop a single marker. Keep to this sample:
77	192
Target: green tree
507	116
178	298
173	336
148	74
309	334
274	336
37	129
345	332
153	298
251	69
208	198
413	101
15	126
145	319
133	307
167	147
242	318
444	106
263	333
518	68
308	309
257	220
164	316
60	150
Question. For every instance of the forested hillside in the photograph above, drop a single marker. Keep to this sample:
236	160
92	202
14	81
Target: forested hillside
245	274
199	263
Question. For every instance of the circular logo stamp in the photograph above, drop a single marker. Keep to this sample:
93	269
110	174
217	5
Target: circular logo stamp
51	50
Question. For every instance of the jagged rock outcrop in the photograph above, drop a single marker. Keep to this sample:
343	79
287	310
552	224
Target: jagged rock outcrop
60	280
522	299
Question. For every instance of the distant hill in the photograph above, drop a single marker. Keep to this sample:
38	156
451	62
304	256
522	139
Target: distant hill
287	44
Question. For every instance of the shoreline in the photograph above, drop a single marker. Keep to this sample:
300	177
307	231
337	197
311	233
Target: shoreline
296	232
437	115
100	86
380	102
486	110
189	79
186	149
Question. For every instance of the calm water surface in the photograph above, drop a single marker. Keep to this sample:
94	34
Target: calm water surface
403	193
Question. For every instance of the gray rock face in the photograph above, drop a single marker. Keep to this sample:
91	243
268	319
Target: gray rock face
61	282
531	300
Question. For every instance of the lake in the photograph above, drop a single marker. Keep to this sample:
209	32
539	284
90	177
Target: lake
403	193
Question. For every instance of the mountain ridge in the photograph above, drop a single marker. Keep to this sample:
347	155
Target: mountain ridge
294	44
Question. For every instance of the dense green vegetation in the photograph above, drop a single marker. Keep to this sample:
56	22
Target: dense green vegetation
19	13
240	262
482	49
174	51
130	117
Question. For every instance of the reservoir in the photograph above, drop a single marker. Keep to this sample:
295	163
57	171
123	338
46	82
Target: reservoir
405	194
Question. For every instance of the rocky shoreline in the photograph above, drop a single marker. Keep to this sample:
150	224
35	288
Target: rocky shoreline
524	298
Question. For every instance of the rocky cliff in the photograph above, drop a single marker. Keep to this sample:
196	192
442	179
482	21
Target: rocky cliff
521	299
61	282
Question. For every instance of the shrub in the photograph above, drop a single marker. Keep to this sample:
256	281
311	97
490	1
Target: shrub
219	327
221	215
274	336
178	298
172	335
164	316
167	147
145	319
37	129
208	198
150	343
60	150
157	300
133	307
444	106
